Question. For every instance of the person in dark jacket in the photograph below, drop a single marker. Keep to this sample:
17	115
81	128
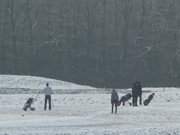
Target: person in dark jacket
114	100
134	94
137	93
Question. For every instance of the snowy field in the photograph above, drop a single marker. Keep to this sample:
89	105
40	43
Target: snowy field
30	82
90	114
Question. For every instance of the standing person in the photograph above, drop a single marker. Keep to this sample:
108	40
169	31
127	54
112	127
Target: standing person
114	100
48	92
139	92
136	93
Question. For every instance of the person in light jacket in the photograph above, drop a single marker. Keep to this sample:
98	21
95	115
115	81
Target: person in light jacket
48	92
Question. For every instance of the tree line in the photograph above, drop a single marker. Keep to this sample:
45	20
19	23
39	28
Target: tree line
104	43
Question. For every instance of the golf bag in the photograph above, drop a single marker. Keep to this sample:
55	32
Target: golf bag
149	99
28	104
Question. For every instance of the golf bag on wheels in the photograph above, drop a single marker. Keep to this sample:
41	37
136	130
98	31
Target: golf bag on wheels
28	104
149	99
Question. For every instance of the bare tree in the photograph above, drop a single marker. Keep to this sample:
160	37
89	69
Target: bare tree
11	8
48	2
29	21
116	16
2	30
125	30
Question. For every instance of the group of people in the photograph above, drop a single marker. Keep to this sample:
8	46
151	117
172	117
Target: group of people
136	94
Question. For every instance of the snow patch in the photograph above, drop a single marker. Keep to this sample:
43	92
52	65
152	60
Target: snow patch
30	82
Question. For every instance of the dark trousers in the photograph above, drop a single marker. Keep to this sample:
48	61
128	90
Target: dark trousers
135	100
122	100
47	99
140	99
114	104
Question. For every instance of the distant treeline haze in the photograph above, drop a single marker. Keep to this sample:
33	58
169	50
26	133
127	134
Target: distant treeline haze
104	43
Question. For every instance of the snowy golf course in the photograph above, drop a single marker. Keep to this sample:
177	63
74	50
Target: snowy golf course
85	113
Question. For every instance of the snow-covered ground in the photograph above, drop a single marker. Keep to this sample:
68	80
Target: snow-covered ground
15	84
90	114
30	82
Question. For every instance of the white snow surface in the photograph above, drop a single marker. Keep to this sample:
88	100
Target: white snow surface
30	82
90	114
85	113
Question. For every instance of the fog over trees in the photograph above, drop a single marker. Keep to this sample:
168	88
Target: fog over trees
104	43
